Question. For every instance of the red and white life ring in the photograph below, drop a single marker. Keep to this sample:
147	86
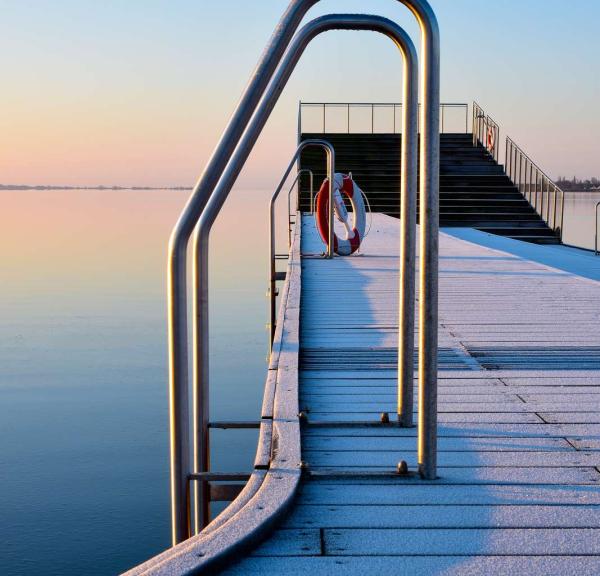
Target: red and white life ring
491	141
354	234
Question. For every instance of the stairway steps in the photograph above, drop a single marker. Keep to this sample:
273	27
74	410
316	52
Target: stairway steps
474	189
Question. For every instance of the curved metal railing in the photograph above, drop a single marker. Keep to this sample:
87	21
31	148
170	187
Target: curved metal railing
273	274
222	169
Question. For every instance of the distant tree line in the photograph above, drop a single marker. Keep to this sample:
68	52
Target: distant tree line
579	185
49	187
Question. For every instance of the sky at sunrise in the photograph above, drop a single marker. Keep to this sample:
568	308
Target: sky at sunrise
138	92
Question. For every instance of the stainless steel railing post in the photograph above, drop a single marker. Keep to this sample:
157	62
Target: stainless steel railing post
429	239
348	116
530	182
596	234
408	217
538	184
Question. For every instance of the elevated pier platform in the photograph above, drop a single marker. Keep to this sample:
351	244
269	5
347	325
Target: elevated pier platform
519	420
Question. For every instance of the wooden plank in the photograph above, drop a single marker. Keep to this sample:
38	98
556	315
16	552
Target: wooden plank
302	542
567	475
418	565
369	493
367	459
444	418
467	542
448	516
338	444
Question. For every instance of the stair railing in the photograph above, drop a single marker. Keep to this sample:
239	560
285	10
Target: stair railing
198	212
485	131
275	276
544	195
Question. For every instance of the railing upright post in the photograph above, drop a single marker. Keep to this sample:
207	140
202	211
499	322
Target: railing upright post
348	118
548	204
429	239
530	181
497	144
543	193
554	208
408	216
596	232
562	212
372	119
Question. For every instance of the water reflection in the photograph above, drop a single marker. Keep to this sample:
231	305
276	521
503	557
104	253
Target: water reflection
83	397
580	215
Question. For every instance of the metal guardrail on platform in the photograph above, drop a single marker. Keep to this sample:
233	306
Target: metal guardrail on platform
372	117
546	197
485	131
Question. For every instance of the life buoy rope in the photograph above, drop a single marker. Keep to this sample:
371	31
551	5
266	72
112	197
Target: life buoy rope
343	186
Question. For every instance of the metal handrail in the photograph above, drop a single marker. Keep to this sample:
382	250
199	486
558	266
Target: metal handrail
535	186
429	212
596	235
485	131
204	190
304	36
289	198
330	152
373	105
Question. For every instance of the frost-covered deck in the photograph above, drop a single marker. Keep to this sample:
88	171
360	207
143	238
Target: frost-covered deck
519	421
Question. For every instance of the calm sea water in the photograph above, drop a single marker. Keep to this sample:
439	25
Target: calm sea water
83	379
580	218
83	394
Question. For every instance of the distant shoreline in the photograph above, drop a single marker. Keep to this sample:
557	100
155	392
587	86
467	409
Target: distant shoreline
48	187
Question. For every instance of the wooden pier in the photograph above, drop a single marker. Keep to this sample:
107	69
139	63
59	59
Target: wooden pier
519	420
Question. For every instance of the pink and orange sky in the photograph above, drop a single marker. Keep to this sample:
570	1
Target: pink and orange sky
138	92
